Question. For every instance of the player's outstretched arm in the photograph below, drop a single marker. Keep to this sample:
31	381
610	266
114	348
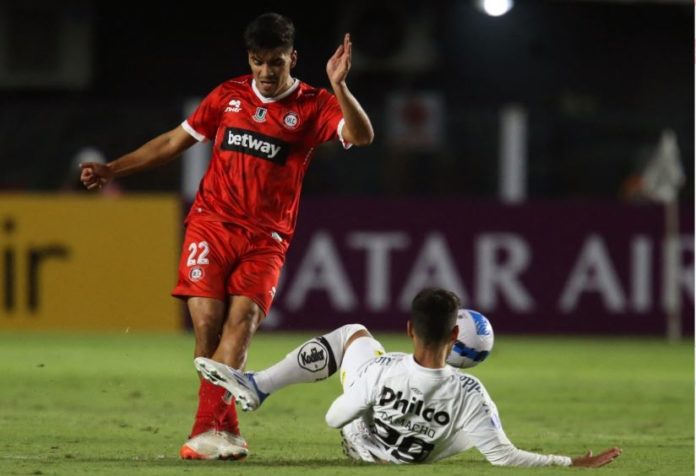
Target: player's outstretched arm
590	461
156	152
484	428
358	128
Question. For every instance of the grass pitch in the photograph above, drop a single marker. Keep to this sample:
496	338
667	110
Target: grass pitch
123	404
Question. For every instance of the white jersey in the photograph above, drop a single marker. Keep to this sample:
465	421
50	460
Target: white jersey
399	412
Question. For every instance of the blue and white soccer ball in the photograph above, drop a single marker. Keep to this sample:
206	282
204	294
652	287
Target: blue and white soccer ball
474	342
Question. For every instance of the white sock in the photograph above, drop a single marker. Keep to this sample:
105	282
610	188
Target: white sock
316	359
361	350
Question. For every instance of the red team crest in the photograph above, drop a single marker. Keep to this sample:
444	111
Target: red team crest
291	120
196	274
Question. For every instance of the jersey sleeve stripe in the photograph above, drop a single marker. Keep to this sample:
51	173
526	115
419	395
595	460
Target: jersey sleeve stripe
194	133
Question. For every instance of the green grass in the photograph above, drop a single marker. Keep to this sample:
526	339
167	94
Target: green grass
123	404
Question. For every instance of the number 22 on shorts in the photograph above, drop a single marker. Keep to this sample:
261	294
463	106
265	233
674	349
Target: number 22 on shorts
201	249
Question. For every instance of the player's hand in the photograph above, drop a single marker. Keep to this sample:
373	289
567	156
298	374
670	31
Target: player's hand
95	175
339	64
589	461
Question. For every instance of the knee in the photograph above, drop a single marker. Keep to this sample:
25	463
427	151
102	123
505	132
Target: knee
206	322
350	332
342	337
247	317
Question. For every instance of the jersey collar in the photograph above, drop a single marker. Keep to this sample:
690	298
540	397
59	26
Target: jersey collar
283	95
432	373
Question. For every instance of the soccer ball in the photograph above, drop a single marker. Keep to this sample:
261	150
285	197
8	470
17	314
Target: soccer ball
474	342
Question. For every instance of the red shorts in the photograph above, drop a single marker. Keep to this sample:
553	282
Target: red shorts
220	259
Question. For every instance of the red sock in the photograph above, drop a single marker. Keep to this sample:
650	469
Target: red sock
226	419
210	406
232	421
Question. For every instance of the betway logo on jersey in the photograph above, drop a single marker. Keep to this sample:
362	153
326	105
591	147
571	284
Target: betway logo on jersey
413	406
258	145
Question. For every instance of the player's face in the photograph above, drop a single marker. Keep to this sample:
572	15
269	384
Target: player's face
271	70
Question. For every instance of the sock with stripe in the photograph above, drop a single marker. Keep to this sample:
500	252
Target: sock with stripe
316	359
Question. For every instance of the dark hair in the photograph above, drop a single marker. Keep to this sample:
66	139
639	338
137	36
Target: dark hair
434	315
268	32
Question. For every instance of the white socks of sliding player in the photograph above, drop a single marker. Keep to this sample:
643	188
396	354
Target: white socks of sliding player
316	359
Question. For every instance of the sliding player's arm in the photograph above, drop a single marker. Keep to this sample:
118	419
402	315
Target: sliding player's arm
156	152
590	461
345	409
484	430
501	453
355	400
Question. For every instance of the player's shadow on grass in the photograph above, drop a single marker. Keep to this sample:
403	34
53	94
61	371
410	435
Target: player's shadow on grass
344	462
172	462
316	463
310	462
256	462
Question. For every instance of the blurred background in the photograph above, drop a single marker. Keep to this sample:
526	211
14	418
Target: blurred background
537	157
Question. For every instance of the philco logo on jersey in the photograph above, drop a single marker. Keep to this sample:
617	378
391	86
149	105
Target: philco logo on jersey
413	406
312	356
258	145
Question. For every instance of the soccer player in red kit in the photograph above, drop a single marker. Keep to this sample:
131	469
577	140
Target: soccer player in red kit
264	127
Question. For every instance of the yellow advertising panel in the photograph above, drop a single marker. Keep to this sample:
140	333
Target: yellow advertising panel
89	262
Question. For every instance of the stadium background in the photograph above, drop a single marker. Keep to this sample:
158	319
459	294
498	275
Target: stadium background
596	84
565	244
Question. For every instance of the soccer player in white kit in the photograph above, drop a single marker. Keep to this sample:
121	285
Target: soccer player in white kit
397	407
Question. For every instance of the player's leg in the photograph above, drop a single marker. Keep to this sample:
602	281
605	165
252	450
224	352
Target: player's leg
252	287
203	268
207	315
315	359
215	432
243	318
361	349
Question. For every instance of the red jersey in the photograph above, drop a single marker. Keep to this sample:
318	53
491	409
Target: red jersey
261	150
